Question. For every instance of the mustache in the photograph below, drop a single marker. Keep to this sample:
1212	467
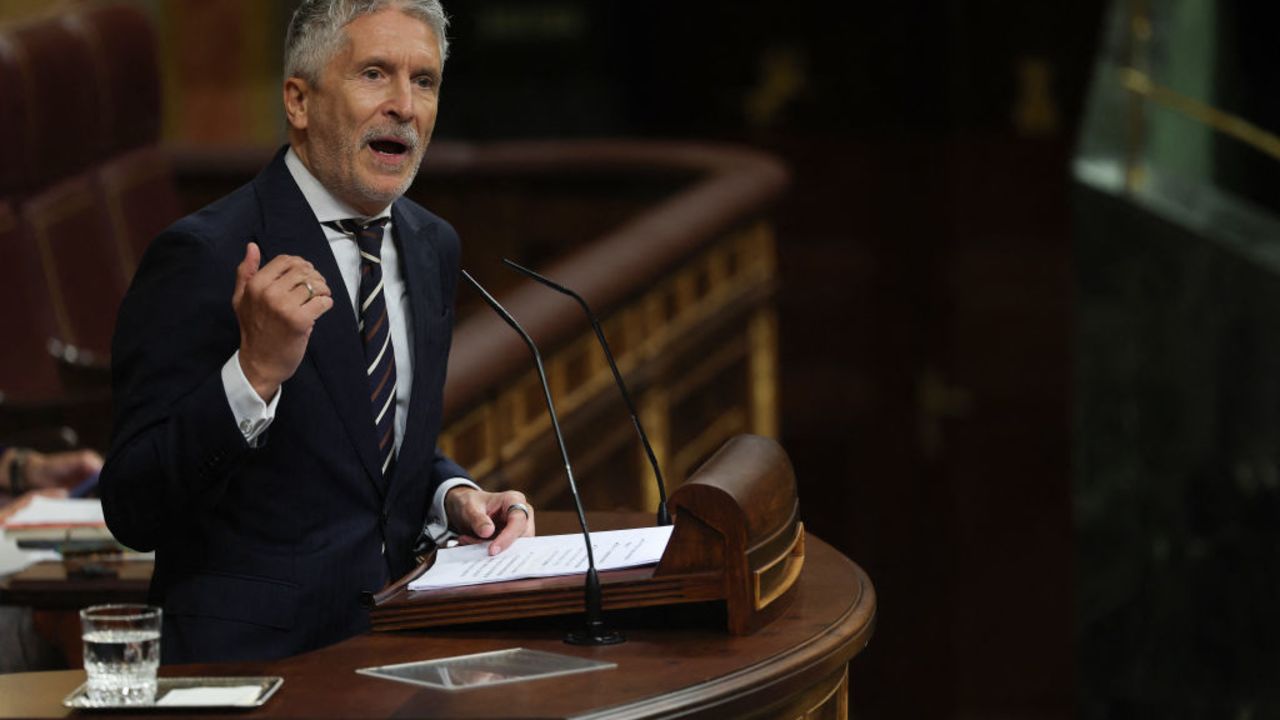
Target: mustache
405	134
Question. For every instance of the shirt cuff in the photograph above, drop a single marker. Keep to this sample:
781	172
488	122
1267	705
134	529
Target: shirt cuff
253	416
437	525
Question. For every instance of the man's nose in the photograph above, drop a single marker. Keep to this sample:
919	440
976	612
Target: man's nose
399	105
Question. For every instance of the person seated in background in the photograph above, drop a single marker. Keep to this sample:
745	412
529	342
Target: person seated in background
24	474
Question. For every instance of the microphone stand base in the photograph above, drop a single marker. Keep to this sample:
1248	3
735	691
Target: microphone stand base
594	635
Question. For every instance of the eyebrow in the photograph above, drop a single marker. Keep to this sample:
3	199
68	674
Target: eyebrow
383	62
374	60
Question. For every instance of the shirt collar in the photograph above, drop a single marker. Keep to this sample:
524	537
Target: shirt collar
324	204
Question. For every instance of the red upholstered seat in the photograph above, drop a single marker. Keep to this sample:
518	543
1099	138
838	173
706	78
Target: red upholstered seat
88	188
13	123
82	259
26	368
125	70
96	187
141	199
136	176
63	133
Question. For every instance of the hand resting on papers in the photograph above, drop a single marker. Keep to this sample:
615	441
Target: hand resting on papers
476	514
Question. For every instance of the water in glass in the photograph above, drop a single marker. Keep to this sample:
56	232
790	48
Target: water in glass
121	654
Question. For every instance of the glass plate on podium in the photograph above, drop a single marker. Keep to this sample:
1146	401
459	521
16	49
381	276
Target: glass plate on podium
484	669
174	693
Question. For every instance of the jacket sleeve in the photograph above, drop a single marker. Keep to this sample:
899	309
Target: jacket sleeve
175	442
446	469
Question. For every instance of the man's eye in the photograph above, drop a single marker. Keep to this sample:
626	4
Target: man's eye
372	74
425	82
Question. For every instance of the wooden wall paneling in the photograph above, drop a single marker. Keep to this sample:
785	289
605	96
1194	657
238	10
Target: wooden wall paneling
698	351
221	70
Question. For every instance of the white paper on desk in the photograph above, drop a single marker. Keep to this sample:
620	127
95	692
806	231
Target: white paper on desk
238	696
544	556
45	511
14	559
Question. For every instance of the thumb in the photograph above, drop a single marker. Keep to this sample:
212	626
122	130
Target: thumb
246	270
481	523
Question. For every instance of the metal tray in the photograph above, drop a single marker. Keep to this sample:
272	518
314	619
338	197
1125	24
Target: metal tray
267	686
488	668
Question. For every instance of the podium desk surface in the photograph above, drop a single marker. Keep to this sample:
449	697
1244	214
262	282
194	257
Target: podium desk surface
674	663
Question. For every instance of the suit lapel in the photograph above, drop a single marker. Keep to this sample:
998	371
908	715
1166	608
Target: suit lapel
290	228
421	272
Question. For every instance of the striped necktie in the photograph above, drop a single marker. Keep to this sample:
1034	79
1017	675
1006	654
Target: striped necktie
375	331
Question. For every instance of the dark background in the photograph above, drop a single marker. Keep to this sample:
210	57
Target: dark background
925	254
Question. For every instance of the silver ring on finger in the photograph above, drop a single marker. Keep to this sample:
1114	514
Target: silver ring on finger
528	511
311	291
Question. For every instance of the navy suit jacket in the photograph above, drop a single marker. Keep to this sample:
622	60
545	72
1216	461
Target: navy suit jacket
265	552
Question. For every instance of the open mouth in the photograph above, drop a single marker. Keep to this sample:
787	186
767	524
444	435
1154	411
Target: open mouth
388	147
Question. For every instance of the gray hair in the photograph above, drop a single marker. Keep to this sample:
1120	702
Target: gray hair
316	30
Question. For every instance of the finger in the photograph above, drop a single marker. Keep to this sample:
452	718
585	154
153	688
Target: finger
282	265
311	311
288	277
512	498
289	291
90	460
514	527
319	288
246	270
79	462
70	467
307	288
474	517
302	287
295	282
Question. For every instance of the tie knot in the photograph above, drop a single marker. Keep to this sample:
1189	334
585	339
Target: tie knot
367	235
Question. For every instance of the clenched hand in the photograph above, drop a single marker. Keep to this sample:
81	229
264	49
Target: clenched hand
277	305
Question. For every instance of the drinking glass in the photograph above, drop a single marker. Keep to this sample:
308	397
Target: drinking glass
121	653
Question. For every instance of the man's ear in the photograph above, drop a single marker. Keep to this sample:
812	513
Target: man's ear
296	93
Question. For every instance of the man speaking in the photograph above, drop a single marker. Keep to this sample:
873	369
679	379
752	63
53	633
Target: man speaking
280	356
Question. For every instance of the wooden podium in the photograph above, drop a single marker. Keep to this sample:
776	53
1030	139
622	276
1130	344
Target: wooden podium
737	539
672	665
737	542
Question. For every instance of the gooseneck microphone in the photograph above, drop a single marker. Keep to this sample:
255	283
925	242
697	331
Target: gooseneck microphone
664	518
595	632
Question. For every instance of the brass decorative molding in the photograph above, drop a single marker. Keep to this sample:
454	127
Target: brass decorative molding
763	334
1234	126
643	332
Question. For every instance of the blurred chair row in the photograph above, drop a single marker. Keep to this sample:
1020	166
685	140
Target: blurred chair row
84	185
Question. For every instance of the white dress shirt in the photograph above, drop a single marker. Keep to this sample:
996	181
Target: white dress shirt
254	416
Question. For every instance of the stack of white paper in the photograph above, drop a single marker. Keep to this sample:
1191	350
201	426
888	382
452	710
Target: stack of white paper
45	511
544	556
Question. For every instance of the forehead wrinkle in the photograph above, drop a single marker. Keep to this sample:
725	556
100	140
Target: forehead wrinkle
379	34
